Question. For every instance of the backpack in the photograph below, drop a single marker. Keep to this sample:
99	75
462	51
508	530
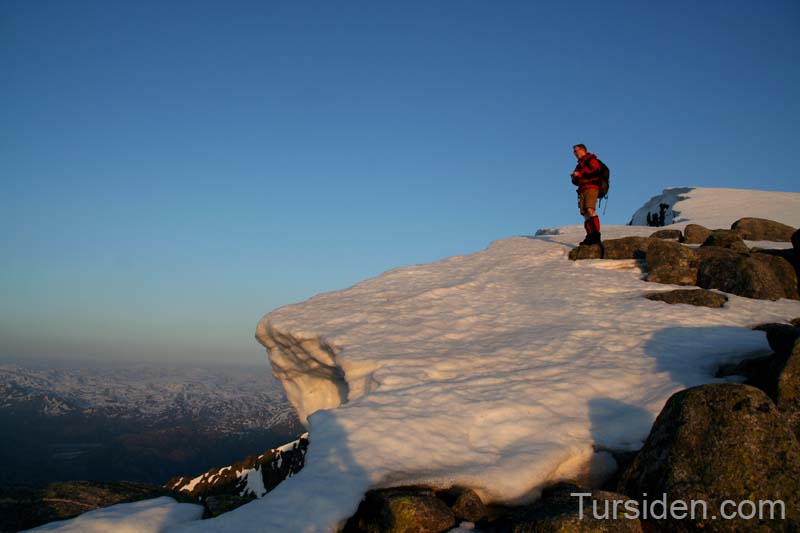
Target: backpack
603	178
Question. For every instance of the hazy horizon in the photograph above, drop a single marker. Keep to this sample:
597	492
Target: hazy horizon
171	173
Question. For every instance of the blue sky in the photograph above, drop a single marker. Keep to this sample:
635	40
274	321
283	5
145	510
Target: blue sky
171	171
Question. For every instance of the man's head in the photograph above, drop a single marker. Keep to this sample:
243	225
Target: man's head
579	150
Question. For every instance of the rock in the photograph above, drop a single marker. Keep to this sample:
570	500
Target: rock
594	251
788	393
796	243
668	234
722	441
465	503
695	234
729	239
559	511
781	337
626	248
761	229
669	262
759	276
27	507
401	510
784	272
759	372
698	297
795	322
223	503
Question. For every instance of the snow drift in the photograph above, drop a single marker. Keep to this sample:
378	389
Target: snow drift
719	208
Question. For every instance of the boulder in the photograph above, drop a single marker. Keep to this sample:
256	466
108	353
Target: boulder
671	263
698	297
695	234
722	441
559	512
401	510
626	248
668	234
796	242
781	337
729	239
788	391
761	229
593	251
465	503
784	272
759	276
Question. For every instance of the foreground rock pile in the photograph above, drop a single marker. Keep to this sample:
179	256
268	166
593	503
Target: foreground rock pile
722	261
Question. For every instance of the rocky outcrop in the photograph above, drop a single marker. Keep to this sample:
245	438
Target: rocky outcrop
559	510
719	442
669	262
695	234
726	239
761	229
231	484
668	234
400	510
27	507
723	262
698	297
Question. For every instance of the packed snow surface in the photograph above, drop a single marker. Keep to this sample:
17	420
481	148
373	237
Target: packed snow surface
158	514
503	370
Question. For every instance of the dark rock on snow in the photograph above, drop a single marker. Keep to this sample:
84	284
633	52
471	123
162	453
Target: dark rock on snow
220	504
594	251
401	510
698	297
758	276
28	507
671	263
559	511
668	234
717	442
761	229
725	238
781	337
695	234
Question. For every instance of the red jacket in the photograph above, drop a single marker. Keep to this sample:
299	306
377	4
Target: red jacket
587	173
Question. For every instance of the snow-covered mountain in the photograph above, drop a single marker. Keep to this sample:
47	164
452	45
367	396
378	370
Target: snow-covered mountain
503	370
228	401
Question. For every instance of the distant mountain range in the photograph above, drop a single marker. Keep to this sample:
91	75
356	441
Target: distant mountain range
135	422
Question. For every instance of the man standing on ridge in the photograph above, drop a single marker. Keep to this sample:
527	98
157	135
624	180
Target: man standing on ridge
587	177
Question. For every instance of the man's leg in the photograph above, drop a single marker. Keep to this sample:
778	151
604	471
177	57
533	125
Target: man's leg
592	220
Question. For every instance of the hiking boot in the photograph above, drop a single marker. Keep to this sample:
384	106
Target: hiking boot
592	238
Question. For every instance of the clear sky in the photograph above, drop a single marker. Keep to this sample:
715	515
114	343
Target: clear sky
171	171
